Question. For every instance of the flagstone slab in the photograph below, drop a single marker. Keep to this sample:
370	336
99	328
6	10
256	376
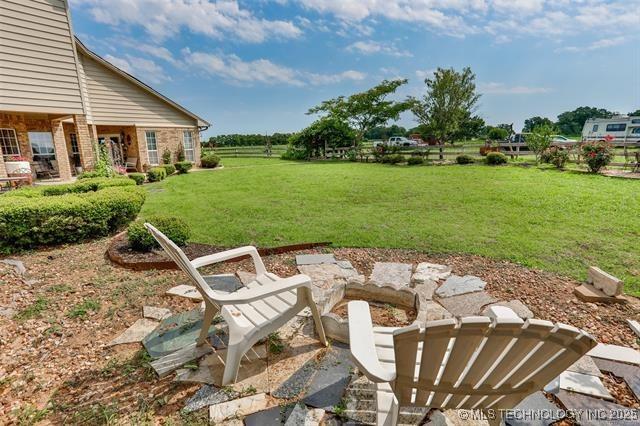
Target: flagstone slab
328	282
176	332
607	283
431	311
297	382
630	373
237	408
155	313
585	365
588	293
516	306
223	283
274	416
303	416
246	277
615	353
177	359
534	410
426	272
456	285
186	291
136	332
206	396
391	274
635	326
591	411
291	371
18	266
315	259
585	384
331	379
467	304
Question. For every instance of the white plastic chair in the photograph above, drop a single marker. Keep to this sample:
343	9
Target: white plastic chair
252	312
478	363
132	163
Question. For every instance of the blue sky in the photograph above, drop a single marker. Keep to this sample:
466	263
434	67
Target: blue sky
256	66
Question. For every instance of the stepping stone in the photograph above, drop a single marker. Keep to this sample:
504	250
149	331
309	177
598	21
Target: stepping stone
387	274
588	293
218	413
331	379
315	259
585	384
176	332
223	283
585	365
301	415
155	313
426	272
630	373
272	417
175	360
136	333
18	266
297	382
605	282
615	353
467	304
245	277
434	311
591	411
635	326
455	286
425	290
516	306
534	410
207	395
187	291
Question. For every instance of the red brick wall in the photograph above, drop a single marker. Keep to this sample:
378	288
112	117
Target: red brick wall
167	138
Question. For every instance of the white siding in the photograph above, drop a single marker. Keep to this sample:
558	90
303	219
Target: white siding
113	99
37	61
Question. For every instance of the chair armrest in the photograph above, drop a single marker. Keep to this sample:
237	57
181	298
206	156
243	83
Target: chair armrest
231	254
260	292
362	344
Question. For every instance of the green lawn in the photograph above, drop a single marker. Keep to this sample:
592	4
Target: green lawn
557	221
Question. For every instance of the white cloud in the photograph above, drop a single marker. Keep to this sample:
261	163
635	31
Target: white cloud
424	74
371	47
493	88
145	69
261	71
213	18
598	44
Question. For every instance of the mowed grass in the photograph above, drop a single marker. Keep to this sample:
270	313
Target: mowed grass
557	221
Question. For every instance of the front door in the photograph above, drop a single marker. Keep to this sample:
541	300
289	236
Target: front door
114	147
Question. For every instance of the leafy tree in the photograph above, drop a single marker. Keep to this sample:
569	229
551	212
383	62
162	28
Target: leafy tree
449	102
327	132
572	122
635	113
496	133
384	133
470	127
365	110
533	122
540	139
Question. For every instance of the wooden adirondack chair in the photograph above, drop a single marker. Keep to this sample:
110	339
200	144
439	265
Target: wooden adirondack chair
251	313
131	163
478	363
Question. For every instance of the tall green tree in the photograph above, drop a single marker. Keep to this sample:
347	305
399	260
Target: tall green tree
540	139
450	100
635	113
365	110
311	142
533	122
572	122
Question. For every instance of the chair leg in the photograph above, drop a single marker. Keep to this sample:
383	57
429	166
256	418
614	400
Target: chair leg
209	312
232	363
387	409
316	316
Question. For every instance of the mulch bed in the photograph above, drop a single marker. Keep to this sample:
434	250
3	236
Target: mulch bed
382	314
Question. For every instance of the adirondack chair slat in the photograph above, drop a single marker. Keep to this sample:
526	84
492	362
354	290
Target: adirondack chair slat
406	360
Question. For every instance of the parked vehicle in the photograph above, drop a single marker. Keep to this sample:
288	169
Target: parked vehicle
562	140
616	130
401	141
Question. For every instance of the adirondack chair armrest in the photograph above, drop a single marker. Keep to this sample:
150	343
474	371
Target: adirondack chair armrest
231	254
260	292
363	345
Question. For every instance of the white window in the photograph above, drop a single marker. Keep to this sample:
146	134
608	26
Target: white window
152	148
9	143
74	144
42	146
187	142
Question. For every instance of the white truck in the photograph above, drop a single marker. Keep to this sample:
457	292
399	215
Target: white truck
621	129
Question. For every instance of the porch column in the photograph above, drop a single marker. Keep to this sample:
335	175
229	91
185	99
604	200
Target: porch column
143	155
60	146
3	169
85	142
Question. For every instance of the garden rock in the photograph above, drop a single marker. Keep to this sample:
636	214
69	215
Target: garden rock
389	274
237	408
155	313
515	305
588	293
207	395
467	304
136	333
455	286
426	271
607	283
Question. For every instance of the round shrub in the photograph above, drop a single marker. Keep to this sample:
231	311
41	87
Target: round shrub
169	168
156	174
556	156
597	155
496	158
415	161
38	220
210	161
138	178
85	185
176	229
183	167
465	159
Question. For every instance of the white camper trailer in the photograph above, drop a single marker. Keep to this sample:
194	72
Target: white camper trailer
622	129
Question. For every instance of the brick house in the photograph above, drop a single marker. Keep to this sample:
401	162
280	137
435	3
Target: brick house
59	101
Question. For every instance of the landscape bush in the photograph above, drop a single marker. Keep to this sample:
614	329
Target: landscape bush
597	155
91	175
556	156
138	178
395	159
175	228
415	161
183	167
156	174
169	168
37	219
294	154
166	156
496	158
210	161
465	159
78	187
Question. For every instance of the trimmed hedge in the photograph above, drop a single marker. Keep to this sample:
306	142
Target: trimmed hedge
496	158
36	220
138	178
210	161
183	167
175	228
415	161
86	185
465	159
156	174
169	168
